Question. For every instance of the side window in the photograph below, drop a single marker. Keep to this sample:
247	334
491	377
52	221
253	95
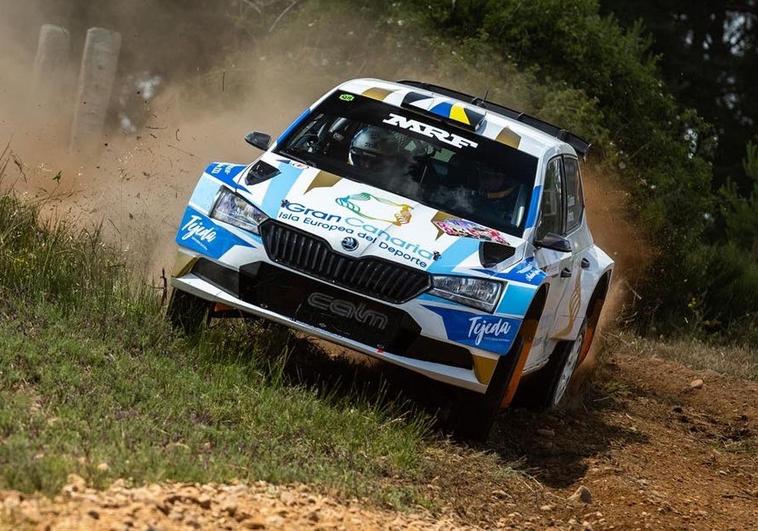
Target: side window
574	197
551	213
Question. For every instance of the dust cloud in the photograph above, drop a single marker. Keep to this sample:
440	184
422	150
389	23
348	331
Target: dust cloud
181	101
189	88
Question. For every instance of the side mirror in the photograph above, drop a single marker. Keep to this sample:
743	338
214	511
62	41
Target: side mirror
554	242
261	141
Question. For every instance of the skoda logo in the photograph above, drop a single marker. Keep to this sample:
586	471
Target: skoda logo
350	244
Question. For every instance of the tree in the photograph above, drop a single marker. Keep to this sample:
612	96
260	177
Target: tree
708	54
740	211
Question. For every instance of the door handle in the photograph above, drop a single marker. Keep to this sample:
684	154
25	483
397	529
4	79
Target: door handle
565	272
585	263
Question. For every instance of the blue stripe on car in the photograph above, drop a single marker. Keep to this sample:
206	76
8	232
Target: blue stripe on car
516	300
525	272
461	249
279	188
205	193
225	172
442	109
293	126
428	297
531	218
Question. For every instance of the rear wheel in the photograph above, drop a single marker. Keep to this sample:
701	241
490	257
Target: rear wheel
565	371
547	388
187	312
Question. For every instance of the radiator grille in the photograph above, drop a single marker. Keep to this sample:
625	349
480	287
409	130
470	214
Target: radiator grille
371	276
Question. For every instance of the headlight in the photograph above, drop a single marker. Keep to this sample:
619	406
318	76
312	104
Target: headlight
236	211
475	292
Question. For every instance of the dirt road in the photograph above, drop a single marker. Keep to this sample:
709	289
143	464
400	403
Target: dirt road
656	446
653	450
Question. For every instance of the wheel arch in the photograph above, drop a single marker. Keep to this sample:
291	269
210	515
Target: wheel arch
593	311
524	342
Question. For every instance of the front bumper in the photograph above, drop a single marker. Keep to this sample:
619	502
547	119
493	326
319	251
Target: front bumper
276	294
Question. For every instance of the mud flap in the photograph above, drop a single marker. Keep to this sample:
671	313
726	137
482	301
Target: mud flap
473	413
527	333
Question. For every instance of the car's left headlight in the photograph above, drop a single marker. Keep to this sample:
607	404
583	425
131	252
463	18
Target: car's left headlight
476	292
234	210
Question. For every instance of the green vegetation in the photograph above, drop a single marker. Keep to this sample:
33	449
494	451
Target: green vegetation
729	360
90	374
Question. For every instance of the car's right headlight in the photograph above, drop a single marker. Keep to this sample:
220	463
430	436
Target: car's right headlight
475	292
235	210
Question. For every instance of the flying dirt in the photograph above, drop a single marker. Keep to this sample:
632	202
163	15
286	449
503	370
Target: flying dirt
652	447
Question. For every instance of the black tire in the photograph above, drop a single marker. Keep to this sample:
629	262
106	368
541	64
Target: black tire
187	312
547	388
472	413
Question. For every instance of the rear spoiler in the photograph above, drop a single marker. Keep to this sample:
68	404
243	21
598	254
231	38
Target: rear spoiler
581	146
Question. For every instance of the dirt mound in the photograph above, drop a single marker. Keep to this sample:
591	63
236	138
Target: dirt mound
191	506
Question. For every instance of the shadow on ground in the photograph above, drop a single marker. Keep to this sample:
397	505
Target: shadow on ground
551	447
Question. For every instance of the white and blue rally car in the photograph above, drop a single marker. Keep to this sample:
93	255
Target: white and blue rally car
416	224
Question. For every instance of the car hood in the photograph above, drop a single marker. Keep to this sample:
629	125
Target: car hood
361	220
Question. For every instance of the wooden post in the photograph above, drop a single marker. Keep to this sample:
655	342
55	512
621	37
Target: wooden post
96	79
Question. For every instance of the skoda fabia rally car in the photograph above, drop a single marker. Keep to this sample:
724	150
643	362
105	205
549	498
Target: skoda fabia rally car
418	225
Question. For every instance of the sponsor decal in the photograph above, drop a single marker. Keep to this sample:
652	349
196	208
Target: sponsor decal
347	97
487	332
199	233
196	230
480	327
360	229
469	229
348	310
527	270
430	131
225	168
225	172
370	207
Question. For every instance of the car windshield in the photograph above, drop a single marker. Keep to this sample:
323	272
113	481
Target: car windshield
418	156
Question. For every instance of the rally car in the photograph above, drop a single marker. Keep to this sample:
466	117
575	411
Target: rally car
416	224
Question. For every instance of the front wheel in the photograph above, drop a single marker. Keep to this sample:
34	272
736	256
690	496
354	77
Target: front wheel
187	312
472	413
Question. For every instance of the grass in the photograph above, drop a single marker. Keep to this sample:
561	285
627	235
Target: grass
211	410
90	373
738	361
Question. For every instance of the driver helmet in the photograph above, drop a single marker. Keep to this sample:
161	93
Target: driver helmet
493	186
373	148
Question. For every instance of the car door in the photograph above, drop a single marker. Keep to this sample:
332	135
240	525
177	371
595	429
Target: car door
559	266
568	319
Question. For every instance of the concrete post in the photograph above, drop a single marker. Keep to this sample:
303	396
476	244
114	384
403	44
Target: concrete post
49	75
96	78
